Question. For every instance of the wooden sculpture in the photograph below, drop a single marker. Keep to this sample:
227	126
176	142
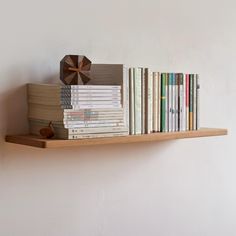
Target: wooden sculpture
47	132
75	69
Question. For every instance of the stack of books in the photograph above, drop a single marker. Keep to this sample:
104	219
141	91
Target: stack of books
163	102
77	111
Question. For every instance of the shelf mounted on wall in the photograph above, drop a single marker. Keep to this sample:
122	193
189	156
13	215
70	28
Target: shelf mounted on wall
36	141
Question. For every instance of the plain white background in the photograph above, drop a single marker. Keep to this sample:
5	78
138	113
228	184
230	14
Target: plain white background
174	188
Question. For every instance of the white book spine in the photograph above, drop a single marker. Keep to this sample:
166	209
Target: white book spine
125	91
143	101
90	87
77	107
187	100
70	126
90	91
150	101
198	102
155	76
94	122
131	101
137	100
88	136
83	99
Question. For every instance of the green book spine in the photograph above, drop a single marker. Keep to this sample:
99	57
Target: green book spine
163	102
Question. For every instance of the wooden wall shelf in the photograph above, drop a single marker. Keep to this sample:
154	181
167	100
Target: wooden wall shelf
35	141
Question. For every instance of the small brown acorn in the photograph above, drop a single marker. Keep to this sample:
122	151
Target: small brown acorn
47	132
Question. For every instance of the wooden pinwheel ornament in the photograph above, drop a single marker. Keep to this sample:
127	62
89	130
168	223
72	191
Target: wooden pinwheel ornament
75	69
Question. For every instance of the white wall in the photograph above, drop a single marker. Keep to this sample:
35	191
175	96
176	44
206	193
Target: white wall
182	188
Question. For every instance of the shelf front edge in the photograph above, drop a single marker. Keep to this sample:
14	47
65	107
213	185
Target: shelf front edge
30	140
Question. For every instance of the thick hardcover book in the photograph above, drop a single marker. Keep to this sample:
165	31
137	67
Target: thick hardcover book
143	117
187	101
191	88
163	103
137	101
148	101
198	102
131	101
155	101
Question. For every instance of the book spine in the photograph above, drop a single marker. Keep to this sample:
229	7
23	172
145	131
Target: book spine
148	100
170	105
94	103
187	101
137	100
191	102
198	102
184	104
176	102
163	102
195	102
88	136
131	102
71	126
88	122
181	92
173	102
89	87
89	91
155	74
90	106
83	99
159	102
125	98
143	121
167	105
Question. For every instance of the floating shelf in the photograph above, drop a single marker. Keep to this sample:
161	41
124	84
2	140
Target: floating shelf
36	141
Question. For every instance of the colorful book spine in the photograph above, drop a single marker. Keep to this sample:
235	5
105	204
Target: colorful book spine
131	101
163	102
191	88
195	102
176	103
167	105
187	100
137	101
198	102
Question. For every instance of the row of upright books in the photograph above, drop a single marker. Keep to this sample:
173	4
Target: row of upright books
117	101
163	102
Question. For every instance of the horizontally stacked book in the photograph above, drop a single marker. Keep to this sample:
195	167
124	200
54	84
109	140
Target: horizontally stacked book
163	102
77	111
